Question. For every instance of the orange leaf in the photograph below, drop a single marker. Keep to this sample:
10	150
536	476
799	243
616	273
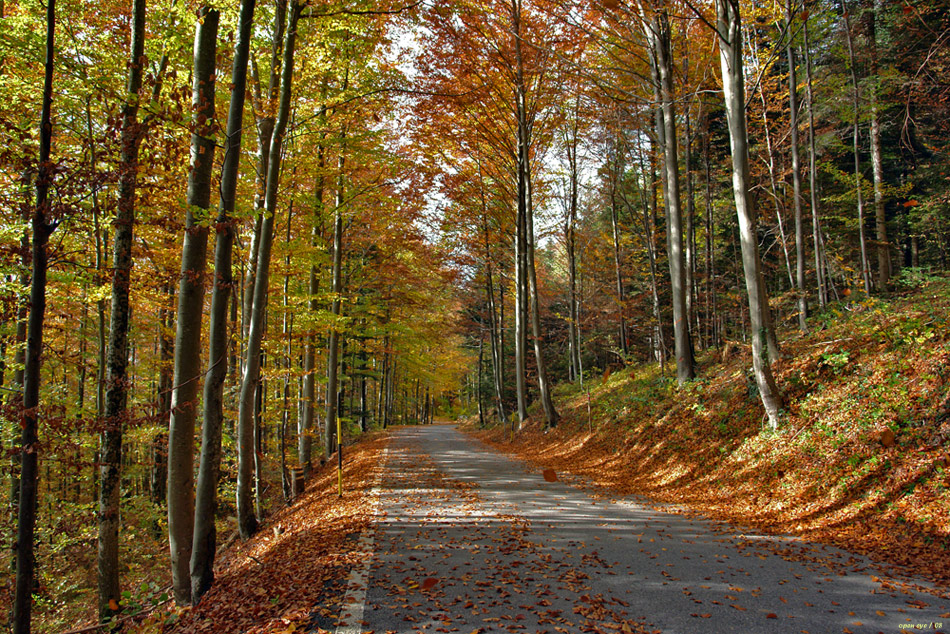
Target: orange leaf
771	615
113	605
549	475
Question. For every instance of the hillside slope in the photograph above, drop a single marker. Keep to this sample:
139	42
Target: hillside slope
861	460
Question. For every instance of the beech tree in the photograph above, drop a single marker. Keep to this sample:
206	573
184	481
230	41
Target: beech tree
204	536
729	32
117	357
42	225
247	520
184	403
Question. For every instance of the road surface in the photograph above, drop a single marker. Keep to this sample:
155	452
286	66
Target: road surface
468	540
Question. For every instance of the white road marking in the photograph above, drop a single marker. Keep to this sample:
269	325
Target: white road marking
354	601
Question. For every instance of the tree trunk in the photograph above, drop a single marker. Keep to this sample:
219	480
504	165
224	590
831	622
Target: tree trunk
191	291
117	383
520	340
29	443
681	336
306	421
691	311
730	48
494	330
570	228
813	173
796	182
204	539
265	118
547	403
333	345
527	221
855	104
166	345
247	522
660	345
877	164
618	259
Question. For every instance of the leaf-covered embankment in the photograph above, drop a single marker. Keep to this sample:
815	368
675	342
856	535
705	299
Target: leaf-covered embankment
861	460
291	574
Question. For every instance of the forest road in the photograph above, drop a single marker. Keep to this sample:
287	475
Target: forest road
468	540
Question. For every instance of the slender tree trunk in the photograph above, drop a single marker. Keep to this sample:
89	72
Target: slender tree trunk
364	423
527	220
660	345
166	345
691	311
711	310
117	382
877	163
773	182
547	403
570	228
490	293
191	291
796	181
29	443
618	259
681	336
333	345
813	173
305	424
855	103
730	46
247	522
264	104
204	539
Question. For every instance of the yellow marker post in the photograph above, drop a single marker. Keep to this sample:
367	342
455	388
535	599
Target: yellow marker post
339	453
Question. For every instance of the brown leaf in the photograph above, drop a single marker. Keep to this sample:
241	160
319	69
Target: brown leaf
549	475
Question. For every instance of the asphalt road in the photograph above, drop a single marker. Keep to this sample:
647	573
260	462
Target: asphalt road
468	540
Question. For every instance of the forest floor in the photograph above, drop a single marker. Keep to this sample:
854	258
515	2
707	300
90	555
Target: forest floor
293	570
861	460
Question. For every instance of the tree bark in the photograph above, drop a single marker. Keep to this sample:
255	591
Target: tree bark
813	173
877	163
730	47
570	228
796	182
29	417
615	177
117	383
247	522
492	320
526	211
204	539
166	345
333	345
306	422
191	291
855	104
664	63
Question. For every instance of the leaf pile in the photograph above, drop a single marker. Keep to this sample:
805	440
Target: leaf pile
293	571
860	462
